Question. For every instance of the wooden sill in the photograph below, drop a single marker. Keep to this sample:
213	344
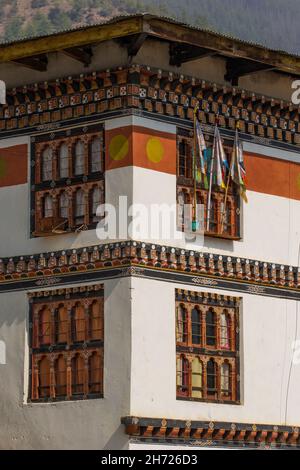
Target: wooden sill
223	236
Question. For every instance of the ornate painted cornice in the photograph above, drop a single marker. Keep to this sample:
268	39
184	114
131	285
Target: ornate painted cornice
216	434
46	105
132	258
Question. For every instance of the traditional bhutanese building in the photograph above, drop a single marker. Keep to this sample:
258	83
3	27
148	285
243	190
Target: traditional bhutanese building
134	343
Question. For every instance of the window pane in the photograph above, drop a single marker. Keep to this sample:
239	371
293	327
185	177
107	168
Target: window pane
225	379
182	375
96	164
181	324
196	326
78	323
78	372
63	161
79	206
47	164
211	328
60	377
95	374
61	325
64	205
196	378
95	322
96	201
211	378
79	158
224	331
48	206
44	378
45	326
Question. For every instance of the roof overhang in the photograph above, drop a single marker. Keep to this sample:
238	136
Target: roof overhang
187	43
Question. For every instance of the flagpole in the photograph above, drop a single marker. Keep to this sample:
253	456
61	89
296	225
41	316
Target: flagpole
210	178
194	220
228	182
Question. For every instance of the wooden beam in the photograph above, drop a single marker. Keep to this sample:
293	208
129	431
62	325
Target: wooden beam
236	68
76	38
39	62
81	54
169	30
135	44
181	53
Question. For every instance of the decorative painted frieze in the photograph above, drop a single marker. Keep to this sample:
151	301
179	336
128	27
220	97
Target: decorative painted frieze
202	268
44	105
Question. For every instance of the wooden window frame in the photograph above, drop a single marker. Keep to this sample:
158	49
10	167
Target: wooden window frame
91	344
185	184
205	352
42	226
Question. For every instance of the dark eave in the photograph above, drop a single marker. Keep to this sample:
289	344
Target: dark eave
224	45
187	43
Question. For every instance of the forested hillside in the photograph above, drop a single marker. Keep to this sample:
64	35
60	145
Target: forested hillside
274	23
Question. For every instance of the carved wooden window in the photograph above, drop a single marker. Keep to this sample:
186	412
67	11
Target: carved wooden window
207	345
224	220
66	344
68	180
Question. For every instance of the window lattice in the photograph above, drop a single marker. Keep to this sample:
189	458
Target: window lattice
66	344
207	345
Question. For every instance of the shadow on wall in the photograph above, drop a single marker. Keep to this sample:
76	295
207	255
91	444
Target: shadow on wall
118	440
218	244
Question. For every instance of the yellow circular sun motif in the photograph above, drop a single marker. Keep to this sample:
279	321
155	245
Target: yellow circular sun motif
155	150
118	147
2	168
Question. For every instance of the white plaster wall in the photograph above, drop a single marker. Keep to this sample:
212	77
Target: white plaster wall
86	424
270	224
268	328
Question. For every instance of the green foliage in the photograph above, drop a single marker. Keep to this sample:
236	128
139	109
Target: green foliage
59	19
274	23
39	26
12	30
38	3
